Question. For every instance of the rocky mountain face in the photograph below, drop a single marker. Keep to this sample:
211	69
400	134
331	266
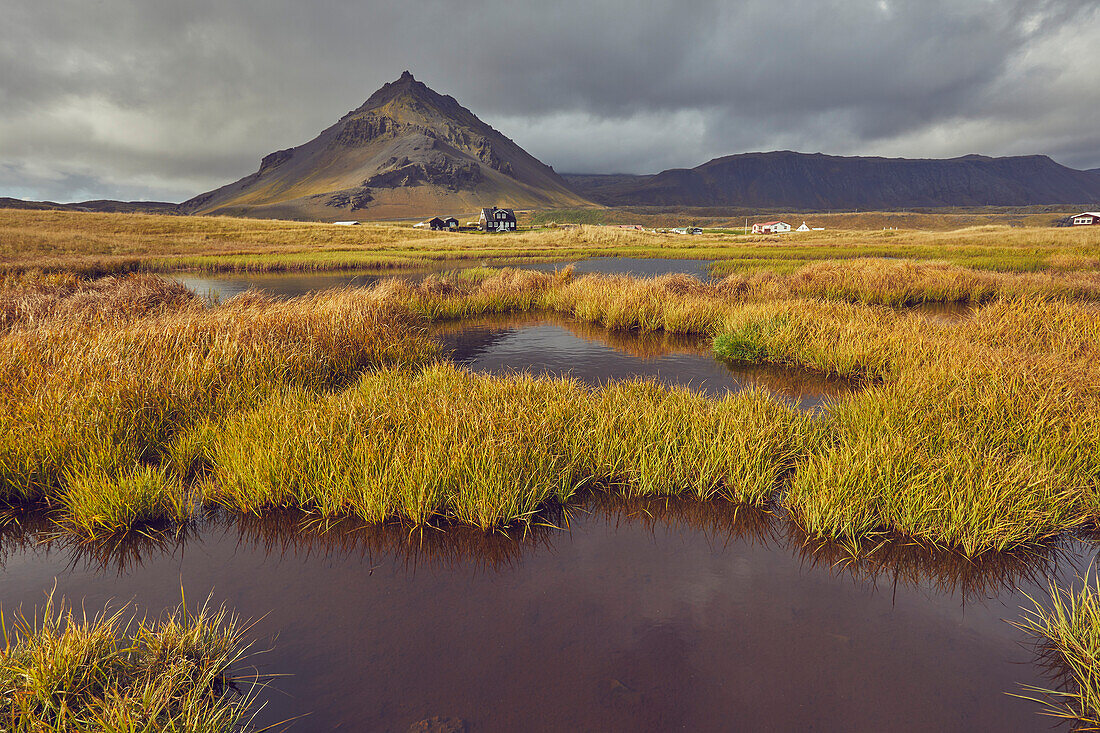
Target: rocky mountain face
815	182
406	152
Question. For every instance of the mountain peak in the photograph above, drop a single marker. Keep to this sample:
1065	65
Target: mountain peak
408	150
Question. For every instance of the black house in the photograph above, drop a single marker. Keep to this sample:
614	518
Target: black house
449	222
437	224
497	220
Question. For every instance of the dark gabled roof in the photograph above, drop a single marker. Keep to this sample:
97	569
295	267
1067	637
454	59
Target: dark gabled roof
449	218
489	212
435	219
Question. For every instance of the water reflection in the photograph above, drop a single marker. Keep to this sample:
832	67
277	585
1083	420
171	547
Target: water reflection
721	524
638	614
549	344
220	287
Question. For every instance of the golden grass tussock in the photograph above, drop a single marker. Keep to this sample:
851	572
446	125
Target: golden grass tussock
447	445
67	673
1066	633
31	298
974	463
87	400
907	282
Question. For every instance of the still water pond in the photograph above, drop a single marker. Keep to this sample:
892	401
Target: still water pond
546	344
288	285
640	616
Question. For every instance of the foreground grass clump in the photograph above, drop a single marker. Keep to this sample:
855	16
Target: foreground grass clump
114	672
86	401
33	298
977	466
1067	634
444	444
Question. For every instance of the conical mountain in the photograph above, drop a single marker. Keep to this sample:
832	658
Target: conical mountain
407	152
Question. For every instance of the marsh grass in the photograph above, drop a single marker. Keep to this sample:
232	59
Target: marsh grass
447	445
85	402
979	435
1066	631
64	672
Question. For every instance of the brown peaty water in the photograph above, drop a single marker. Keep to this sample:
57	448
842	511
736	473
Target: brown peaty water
548	344
643	615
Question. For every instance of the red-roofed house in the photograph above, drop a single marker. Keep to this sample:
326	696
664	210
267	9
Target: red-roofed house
771	227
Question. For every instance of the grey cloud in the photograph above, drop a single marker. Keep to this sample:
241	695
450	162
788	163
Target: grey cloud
163	99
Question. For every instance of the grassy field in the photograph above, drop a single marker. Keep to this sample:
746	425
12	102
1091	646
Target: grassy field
106	243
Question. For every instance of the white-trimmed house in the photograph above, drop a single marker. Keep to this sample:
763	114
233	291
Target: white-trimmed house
771	227
1086	218
803	228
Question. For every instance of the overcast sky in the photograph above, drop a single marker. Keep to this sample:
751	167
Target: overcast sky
163	99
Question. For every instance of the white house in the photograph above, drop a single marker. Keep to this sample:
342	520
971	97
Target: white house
803	228
771	227
1086	218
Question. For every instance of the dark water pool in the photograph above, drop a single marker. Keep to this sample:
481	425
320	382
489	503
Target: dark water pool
288	285
545	344
659	615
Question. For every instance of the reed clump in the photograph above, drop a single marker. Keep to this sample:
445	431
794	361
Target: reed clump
32	298
63	672
909	282
982	435
84	401
447	445
1066	631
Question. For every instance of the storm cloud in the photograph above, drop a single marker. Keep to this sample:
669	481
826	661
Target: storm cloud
163	99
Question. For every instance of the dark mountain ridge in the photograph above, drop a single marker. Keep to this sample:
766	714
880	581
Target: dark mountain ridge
786	179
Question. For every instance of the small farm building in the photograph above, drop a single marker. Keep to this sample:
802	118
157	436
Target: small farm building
1087	218
436	224
803	228
771	227
449	222
497	220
